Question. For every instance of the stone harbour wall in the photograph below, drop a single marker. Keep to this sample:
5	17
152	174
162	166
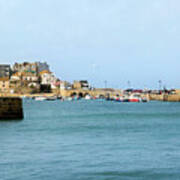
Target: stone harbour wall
165	97
11	108
172	98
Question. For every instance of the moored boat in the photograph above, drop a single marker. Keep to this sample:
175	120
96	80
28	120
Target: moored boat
51	98
134	98
40	98
88	97
69	99
118	99
144	99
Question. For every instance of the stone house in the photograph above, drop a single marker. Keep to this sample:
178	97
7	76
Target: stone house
47	78
26	67
16	77
64	85
81	85
42	66
5	70
4	84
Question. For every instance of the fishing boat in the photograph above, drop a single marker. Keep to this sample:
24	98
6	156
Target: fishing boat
122	99
134	98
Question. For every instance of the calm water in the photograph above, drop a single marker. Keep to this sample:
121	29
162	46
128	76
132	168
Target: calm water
92	140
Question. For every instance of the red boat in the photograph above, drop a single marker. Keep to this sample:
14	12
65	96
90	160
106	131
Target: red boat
134	98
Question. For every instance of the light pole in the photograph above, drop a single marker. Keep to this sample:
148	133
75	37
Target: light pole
105	83
160	84
129	84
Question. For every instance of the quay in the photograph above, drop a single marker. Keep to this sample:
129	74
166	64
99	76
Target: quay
173	97
99	93
11	108
103	93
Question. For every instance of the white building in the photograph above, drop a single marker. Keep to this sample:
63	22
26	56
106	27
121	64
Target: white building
16	77
47	78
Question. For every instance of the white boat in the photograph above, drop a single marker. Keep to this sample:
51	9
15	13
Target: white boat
69	99
40	98
88	97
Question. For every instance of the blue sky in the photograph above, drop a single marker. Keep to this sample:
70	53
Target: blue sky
98	40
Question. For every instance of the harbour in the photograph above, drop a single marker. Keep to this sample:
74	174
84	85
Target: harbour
89	90
92	140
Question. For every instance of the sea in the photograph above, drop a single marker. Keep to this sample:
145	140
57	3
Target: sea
92	140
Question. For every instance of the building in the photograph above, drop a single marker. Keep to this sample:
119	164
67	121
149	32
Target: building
5	71
42	67
29	77
64	85
81	85
35	67
25	75
15	77
26	67
24	79
47	78
4	84
15	80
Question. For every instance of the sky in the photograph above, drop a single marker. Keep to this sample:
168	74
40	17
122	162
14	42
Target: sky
99	40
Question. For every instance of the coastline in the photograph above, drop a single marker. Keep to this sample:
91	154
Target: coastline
150	97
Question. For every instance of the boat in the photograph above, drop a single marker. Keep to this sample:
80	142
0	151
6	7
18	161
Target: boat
121	99
88	97
69	99
40	98
96	97
109	99
51	98
144	99
118	99
134	98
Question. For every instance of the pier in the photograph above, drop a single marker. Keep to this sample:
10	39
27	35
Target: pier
96	92
11	108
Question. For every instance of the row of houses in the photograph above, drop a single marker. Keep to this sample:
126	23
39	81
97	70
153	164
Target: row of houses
27	76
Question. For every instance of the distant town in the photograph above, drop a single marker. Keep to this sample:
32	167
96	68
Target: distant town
27	77
35	79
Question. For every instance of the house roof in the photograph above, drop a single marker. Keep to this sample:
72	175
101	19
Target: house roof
16	74
4	78
45	72
27	74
